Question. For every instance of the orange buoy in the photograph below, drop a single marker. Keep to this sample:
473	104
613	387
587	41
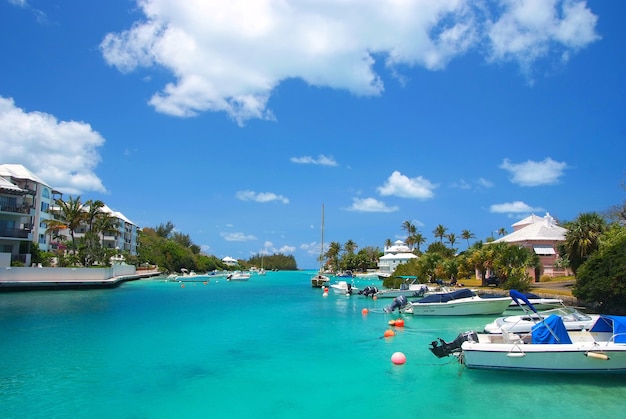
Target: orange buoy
182	285
398	358
365	311
399	323
389	333
374	298
326	289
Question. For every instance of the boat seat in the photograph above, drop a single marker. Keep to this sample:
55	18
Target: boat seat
511	337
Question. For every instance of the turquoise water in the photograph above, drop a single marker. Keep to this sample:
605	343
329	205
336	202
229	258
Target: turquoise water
269	347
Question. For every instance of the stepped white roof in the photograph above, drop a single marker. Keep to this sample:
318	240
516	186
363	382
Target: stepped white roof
545	229
20	172
6	185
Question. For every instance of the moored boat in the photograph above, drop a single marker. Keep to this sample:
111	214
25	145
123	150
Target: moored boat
462	302
549	347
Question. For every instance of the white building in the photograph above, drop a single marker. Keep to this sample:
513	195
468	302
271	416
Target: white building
228	261
395	255
25	205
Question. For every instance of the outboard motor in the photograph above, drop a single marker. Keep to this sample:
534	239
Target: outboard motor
442	348
398	302
349	292
421	291
368	291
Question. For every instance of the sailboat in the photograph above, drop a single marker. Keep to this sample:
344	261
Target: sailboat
320	280
262	271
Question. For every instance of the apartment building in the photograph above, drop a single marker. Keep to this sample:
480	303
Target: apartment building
26	202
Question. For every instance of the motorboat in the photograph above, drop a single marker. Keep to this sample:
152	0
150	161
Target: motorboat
540	303
549	347
523	323
189	276
408	289
462	302
343	287
239	276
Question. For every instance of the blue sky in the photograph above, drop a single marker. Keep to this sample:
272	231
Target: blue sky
238	120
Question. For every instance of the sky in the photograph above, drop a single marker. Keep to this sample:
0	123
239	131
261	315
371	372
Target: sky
237	121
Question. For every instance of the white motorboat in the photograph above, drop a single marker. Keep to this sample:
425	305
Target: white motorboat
540	303
548	348
462	302
343	287
190	276
408	289
523	323
239	276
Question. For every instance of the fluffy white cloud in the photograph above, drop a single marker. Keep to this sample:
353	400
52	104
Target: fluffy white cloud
260	197
528	30
229	55
515	207
321	160
62	153
400	185
532	173
370	205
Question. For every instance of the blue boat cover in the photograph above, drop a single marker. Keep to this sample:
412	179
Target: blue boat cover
516	296
448	296
550	330
614	324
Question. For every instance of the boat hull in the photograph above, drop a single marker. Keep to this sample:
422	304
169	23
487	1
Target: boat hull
570	358
464	307
319	281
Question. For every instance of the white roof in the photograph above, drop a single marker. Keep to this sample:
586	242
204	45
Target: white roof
546	229
398	247
532	218
20	172
229	259
5	184
398	256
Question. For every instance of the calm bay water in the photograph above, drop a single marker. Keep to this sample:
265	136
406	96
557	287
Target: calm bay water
270	347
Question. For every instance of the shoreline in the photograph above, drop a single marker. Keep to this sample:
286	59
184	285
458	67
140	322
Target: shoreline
29	284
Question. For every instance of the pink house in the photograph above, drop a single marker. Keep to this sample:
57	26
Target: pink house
540	234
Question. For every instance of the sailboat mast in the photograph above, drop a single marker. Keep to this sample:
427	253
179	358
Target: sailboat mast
322	245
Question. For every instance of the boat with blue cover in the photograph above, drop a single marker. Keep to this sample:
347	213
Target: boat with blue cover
548	347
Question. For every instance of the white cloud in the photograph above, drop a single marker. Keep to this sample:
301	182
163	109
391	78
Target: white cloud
237	237
515	207
62	153
400	185
370	205
532	173
229	55
321	160
529	30
260	197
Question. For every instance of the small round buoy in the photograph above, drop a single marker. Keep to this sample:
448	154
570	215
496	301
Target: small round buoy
389	333
182	285
399	323
398	358
326	289
374	298
365	311
204	282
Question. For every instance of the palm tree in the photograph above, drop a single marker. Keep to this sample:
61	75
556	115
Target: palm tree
451	239
440	232
105	224
350	247
582	238
419	240
388	243
94	209
332	254
71	215
502	232
467	235
411	230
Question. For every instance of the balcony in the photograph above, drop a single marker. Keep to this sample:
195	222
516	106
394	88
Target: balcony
15	233
17	209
